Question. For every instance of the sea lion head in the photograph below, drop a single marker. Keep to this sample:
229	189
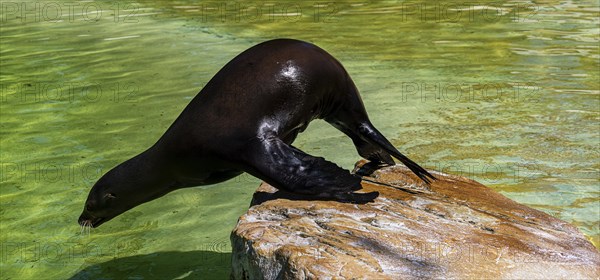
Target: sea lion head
104	202
119	190
126	186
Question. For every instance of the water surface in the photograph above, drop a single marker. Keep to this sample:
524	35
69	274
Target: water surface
506	94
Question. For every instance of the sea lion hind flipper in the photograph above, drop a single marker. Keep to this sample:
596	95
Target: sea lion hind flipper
292	170
372	145
372	152
365	149
373	136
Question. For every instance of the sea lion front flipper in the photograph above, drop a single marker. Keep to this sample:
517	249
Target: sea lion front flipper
288	168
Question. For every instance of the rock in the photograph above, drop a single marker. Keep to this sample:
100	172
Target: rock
453	228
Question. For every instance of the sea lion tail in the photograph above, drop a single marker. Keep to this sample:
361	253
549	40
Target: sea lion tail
373	136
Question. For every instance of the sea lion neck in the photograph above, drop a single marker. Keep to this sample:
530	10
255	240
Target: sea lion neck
146	172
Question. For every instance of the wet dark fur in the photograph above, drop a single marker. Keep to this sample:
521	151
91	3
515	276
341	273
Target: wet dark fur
244	120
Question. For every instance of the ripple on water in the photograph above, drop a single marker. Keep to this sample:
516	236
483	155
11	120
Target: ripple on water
525	120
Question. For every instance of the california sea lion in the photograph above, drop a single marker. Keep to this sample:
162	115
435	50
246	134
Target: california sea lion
244	120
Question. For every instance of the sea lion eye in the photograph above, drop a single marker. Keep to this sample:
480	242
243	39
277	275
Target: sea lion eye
110	196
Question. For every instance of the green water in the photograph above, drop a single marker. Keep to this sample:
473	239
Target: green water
507	94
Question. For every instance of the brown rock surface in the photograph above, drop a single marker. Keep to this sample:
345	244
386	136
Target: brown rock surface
453	228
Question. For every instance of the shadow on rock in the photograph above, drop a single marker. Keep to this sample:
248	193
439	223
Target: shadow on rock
364	169
260	197
162	265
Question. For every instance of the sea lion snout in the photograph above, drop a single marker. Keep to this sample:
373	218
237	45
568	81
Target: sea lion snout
86	219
